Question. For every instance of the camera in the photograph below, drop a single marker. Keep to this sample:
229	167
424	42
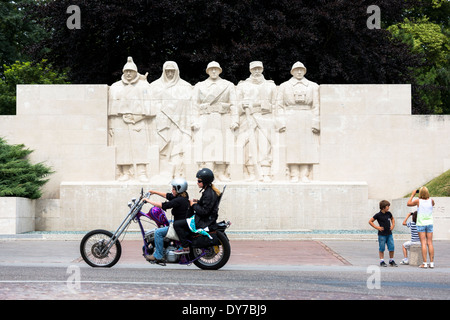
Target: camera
417	191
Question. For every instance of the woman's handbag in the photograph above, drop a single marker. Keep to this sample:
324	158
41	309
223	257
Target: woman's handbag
171	233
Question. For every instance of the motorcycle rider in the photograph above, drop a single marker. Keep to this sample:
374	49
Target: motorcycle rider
178	201
205	209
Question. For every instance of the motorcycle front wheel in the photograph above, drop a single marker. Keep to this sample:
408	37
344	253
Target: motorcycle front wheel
93	249
212	258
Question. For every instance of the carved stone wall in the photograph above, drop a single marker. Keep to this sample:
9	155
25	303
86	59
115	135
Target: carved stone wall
367	134
254	131
362	145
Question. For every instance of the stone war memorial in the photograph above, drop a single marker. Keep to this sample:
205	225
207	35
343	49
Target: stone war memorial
296	156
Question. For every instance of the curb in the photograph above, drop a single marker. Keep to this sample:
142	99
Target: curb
232	235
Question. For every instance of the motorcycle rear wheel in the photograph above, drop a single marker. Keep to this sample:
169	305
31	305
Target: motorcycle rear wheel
92	246
214	257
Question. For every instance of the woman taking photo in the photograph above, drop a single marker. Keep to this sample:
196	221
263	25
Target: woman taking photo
424	223
205	210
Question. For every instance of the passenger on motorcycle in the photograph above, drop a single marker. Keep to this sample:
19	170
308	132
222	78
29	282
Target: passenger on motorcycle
178	201
205	209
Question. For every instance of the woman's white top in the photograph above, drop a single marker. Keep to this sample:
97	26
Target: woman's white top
424	212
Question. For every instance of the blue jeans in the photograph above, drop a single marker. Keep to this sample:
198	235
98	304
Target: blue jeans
383	240
160	233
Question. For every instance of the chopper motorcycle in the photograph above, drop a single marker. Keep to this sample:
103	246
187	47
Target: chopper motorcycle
101	248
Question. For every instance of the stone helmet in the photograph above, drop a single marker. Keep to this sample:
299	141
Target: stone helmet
213	64
130	65
296	65
255	64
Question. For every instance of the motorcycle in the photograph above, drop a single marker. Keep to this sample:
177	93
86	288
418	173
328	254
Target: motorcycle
101	248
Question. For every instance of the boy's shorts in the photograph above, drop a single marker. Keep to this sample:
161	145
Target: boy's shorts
383	240
408	244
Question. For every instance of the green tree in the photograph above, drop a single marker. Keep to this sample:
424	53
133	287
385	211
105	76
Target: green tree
17	32
329	36
18	177
25	73
426	29
431	41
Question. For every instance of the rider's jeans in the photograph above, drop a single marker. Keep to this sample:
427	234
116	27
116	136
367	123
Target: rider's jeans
160	233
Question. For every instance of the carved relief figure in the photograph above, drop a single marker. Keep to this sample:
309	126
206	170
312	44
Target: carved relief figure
298	101
257	97
214	100
128	113
171	100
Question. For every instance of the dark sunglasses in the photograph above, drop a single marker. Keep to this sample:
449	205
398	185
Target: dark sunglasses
199	181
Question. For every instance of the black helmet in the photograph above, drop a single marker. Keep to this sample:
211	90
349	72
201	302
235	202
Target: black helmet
206	175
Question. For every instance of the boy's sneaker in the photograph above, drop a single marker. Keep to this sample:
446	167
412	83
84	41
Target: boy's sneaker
383	264
392	263
404	261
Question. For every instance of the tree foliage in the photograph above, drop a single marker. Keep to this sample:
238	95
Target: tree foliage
25	73
18	177
329	36
17	33
426	30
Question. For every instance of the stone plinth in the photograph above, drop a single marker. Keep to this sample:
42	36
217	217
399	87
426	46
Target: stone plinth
249	206
17	215
415	255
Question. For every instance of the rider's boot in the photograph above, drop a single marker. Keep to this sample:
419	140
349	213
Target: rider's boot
149	257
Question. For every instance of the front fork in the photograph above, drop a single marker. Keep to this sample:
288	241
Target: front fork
123	226
141	227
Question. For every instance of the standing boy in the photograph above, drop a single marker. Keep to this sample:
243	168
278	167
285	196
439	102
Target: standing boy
386	224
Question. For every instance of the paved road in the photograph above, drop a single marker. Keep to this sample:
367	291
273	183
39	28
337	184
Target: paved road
257	270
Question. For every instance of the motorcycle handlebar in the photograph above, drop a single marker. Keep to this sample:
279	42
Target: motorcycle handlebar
146	196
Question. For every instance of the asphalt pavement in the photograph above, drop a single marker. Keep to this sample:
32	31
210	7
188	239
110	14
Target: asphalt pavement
325	269
254	253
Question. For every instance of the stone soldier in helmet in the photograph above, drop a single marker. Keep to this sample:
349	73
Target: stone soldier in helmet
128	112
298	101
214	100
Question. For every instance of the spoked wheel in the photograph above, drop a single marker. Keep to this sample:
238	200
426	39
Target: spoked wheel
93	248
214	257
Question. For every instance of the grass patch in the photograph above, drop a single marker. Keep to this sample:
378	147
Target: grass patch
439	186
